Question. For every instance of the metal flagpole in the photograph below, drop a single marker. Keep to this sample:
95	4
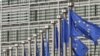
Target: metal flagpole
10	51
53	37
59	35
16	45
89	8
35	42
29	46
23	48
41	49
64	44
70	5
4	52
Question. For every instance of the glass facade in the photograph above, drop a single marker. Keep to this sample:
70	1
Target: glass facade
23	18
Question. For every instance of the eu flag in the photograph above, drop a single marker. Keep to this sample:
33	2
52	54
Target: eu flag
65	34
37	52
56	37
78	47
56	41
73	31
64	31
25	52
42	45
89	30
47	46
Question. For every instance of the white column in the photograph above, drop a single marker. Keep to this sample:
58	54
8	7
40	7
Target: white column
41	48
10	51
53	37
4	52
23	48
64	44
16	45
59	35
29	46
35	43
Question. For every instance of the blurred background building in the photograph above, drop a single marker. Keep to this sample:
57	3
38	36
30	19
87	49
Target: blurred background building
23	18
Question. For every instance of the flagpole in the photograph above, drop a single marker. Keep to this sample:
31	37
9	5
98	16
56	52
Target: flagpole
35	43
23	48
53	37
16	45
47	38
4	52
70	5
10	51
29	46
64	44
59	35
41	49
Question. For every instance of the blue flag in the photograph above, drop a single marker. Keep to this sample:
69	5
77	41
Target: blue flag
25	52
79	48
65	34
47	46
43	46
73	31
37	51
56	37
64	25
56	41
89	30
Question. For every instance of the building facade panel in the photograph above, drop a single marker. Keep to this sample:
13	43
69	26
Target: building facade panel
23	18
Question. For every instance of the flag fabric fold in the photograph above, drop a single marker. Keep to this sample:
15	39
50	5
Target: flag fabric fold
64	31
74	33
89	30
79	48
78	27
